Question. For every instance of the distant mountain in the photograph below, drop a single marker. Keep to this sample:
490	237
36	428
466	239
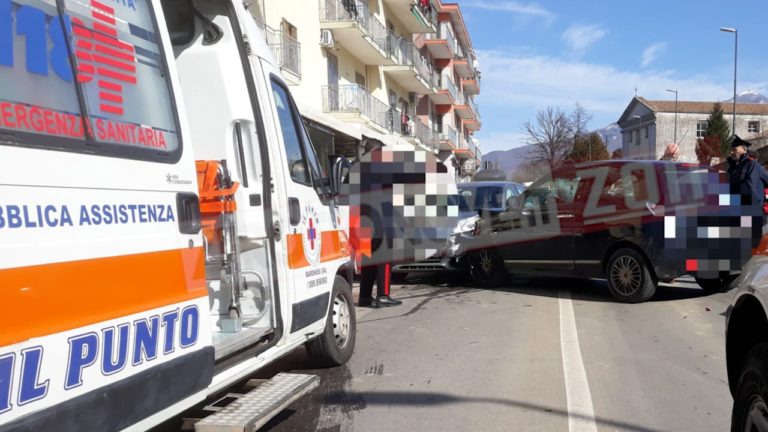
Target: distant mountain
611	136
510	160
507	160
750	96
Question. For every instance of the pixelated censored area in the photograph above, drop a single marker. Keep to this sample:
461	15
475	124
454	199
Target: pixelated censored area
714	238
405	201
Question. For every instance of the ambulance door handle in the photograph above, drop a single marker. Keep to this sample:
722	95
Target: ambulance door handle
188	209
294	211
276	230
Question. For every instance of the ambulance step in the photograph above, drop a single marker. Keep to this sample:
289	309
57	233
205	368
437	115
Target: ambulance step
249	412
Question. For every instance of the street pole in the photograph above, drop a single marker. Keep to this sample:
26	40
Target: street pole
735	63
675	91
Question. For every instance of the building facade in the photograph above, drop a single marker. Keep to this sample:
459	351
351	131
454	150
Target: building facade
402	71
648	126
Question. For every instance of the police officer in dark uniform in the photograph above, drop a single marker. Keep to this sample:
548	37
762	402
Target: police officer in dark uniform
747	177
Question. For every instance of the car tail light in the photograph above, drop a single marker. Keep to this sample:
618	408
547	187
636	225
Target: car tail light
691	265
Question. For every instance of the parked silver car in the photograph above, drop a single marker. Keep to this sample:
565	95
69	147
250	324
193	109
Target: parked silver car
746	346
475	199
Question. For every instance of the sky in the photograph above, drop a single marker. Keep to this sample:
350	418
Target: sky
556	53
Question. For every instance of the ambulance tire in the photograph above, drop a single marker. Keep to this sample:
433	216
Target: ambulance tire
335	346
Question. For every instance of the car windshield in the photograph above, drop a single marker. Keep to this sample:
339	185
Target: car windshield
481	197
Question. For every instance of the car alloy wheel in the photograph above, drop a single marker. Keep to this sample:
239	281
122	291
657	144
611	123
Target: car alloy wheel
485	263
626	275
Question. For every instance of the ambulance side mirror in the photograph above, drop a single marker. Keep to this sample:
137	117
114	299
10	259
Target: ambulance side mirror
340	170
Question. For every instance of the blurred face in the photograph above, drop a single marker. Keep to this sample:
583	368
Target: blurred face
736	152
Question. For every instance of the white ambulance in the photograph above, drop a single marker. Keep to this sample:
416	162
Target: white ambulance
166	228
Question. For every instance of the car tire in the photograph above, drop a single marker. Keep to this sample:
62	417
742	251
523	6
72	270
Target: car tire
750	403
629	280
486	268
335	346
716	285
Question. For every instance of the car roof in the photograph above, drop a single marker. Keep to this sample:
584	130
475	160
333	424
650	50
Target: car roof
486	184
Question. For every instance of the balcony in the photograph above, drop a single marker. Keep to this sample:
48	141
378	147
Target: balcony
442	45
449	138
356	29
411	70
424	135
467	110
471	86
464	68
415	19
447	93
354	103
285	49
287	52
472	124
465	149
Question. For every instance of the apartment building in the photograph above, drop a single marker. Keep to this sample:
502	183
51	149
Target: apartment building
402	71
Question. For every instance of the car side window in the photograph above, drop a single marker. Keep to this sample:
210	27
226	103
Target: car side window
562	190
290	129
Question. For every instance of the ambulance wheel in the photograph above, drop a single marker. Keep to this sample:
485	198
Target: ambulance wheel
335	346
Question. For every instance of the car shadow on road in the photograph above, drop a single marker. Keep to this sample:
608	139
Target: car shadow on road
423	399
593	290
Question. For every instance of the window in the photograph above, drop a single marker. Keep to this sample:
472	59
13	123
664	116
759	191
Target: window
115	100
561	189
701	128
753	127
647	131
290	128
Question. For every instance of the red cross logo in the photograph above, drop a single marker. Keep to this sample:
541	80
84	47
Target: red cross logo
312	234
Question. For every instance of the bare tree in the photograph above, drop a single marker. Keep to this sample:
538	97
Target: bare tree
580	118
551	137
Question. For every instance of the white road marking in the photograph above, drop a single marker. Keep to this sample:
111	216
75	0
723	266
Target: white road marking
581	415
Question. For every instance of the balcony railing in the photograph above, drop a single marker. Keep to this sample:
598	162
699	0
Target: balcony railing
355	10
356	99
442	34
287	52
429	12
473	107
448	133
447	84
425	134
406	54
285	49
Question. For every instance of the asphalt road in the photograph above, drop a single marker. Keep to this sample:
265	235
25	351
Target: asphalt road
539	355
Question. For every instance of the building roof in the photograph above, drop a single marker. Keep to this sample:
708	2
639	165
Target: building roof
692	107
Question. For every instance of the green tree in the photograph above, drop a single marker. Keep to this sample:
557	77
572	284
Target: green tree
718	126
588	147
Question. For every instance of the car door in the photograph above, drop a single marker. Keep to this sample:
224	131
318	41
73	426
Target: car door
543	240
